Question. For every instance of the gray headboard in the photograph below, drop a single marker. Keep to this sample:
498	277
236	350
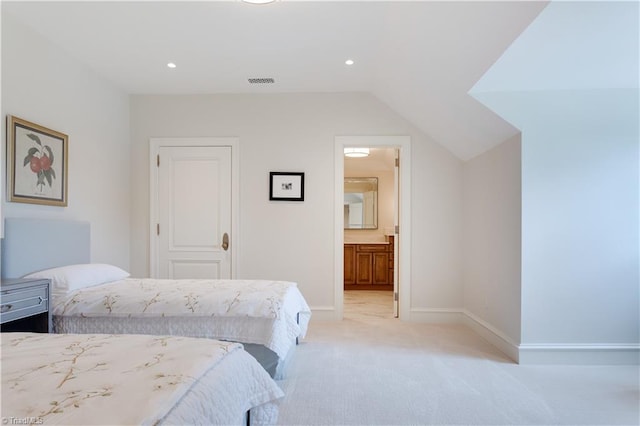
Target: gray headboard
32	244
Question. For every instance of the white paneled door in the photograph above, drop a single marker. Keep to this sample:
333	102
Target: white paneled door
193	211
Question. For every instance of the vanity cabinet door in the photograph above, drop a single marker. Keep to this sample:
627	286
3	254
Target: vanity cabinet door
349	264
380	269
364	273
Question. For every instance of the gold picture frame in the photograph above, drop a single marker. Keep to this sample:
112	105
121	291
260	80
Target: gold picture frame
37	163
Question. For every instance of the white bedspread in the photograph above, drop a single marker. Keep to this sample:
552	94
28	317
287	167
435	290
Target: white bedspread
129	379
249	311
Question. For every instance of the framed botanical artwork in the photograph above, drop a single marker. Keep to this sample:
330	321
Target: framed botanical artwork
37	163
286	186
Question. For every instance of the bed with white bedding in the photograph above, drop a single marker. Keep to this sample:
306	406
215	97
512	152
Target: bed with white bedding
268	317
99	379
271	314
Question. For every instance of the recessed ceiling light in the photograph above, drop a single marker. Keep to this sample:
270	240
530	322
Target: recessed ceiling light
171	65
258	1
349	62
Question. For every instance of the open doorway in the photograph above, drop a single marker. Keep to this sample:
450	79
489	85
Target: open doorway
370	218
378	239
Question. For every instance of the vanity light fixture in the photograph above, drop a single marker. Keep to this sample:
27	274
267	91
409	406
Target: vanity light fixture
356	152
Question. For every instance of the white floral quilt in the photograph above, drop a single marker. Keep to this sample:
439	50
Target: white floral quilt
269	313
120	379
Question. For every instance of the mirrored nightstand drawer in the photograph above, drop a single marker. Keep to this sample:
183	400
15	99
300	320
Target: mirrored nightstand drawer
24	305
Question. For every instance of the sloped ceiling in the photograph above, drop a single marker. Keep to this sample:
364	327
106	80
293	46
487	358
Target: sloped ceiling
577	64
419	57
572	46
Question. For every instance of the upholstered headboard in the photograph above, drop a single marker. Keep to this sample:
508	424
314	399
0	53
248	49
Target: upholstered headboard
31	244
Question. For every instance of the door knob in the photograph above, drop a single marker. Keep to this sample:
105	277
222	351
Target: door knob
225	242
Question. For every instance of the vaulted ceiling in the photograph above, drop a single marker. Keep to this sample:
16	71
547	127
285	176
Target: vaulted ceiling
419	57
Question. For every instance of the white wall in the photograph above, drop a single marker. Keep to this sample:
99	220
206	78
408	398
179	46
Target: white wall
436	241
575	100
492	241
580	226
43	84
295	132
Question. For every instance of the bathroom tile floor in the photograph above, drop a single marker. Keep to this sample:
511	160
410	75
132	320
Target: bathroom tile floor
363	304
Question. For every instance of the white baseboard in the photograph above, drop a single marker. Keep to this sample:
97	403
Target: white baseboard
462	316
434	316
424	315
324	313
570	354
580	354
492	335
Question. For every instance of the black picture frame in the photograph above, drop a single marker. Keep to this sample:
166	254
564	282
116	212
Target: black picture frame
286	186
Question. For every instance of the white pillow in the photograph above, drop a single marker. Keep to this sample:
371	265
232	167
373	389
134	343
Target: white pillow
74	277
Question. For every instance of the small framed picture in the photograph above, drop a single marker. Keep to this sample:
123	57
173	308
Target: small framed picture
37	160
286	186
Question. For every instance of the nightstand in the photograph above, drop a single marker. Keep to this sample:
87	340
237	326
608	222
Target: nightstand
25	305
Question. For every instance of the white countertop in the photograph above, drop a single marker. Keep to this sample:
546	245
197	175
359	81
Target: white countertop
366	242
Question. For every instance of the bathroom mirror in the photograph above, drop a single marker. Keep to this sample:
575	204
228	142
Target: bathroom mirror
361	203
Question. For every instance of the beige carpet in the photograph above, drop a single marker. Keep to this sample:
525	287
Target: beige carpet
368	370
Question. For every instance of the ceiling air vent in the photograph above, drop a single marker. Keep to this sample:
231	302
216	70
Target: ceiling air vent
261	80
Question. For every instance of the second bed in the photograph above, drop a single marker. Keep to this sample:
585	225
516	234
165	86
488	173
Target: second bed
267	317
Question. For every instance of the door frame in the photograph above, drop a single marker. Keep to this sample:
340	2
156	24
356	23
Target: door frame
402	262
154	148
